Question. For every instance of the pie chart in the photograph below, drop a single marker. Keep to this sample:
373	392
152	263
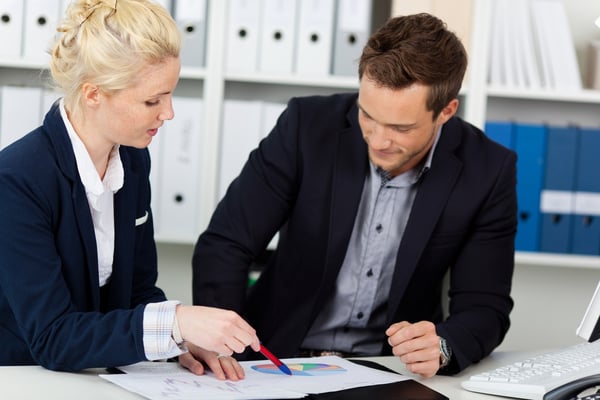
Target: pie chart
303	369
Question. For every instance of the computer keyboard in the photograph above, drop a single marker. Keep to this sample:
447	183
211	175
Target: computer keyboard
558	374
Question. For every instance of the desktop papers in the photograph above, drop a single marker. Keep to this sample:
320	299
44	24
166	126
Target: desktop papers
159	381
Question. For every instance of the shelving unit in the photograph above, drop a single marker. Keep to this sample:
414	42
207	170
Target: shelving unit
479	101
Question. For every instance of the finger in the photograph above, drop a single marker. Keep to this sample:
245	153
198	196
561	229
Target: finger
234	345
246	337
425	369
232	368
392	329
188	361
401	335
419	354
214	364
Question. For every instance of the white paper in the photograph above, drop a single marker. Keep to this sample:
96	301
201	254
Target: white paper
158	381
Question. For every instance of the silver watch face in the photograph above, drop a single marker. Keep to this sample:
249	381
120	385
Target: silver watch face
445	351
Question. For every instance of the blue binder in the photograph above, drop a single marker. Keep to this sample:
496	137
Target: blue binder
530	145
501	132
586	225
558	190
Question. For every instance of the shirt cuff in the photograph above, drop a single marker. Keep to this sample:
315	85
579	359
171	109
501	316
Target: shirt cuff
158	328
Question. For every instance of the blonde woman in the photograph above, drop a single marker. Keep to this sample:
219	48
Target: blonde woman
78	263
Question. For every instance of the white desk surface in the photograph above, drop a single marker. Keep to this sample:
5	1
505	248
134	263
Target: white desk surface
34	382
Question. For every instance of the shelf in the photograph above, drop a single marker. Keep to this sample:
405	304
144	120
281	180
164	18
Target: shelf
342	82
192	73
214	85
574	96
21	63
24	64
557	260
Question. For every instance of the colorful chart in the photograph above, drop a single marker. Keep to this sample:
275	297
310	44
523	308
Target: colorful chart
306	369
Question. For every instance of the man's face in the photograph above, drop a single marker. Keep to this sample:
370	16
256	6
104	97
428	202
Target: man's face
398	128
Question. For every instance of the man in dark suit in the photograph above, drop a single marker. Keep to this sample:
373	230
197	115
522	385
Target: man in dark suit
376	196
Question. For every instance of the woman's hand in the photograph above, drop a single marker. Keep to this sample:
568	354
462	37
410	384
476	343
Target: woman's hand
214	329
224	367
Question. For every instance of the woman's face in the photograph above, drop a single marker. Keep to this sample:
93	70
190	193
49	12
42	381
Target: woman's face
132	116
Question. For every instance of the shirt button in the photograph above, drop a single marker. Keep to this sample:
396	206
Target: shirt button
359	315
370	273
379	228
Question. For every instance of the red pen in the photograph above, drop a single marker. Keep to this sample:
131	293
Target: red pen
282	367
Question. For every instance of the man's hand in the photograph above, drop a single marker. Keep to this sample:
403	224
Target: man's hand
224	367
417	345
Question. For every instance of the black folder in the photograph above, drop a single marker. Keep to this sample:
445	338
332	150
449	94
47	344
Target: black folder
403	390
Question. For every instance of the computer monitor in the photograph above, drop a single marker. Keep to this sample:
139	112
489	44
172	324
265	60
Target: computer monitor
589	328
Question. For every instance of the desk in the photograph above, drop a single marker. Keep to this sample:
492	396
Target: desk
34	382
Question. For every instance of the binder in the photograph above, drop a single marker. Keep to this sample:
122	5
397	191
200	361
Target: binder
179	195
555	45
240	135
270	112
586	226
19	112
190	16
49	97
242	35
314	41
556	203
277	36
353	26
11	27
524	44
501	132
40	22
495	72
530	145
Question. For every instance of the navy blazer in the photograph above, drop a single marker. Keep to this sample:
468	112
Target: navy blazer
49	295
305	180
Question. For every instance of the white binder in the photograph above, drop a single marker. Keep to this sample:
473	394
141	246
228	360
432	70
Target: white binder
40	21
315	37
239	136
270	112
242	36
353	26
19	112
278	36
11	27
49	96
181	143
190	16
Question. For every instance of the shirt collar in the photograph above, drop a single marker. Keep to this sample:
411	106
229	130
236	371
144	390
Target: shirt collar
114	177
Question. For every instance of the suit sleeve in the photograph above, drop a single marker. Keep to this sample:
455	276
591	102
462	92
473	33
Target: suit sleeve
481	278
253	209
59	334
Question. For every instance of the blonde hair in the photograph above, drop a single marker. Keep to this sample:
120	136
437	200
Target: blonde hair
107	43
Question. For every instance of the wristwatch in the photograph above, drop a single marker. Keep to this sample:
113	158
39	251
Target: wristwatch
445	352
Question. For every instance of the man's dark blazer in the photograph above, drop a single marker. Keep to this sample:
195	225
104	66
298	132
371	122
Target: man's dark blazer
306	179
49	296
